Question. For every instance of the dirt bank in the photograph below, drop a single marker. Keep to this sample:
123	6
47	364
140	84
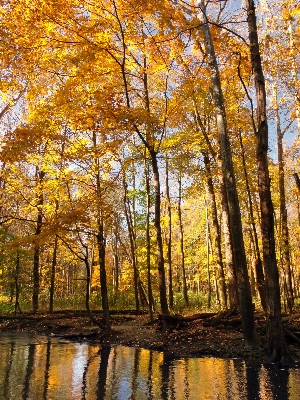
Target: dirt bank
195	338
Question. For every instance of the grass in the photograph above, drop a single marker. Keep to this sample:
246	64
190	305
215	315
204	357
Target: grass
120	301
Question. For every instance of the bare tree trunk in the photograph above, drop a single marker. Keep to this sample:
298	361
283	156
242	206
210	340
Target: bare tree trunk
275	344
245	299
216	230
184	287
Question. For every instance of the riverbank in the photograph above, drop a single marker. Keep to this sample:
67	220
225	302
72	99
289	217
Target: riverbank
195	338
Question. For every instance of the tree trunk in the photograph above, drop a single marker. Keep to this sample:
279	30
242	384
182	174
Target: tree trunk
207	261
36	256
294	72
169	238
216	230
53	271
132	245
159	242
116	258
132	218
259	274
148	243
101	249
245	299
88	285
149	143
101	243
230	266
284	232
275	344
17	274
184	287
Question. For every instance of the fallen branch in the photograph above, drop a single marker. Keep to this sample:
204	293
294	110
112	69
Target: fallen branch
291	335
295	316
185	318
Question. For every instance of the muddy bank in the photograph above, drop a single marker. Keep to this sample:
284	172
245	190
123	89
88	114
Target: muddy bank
195	338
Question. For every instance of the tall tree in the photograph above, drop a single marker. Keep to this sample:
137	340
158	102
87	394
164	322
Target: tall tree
275	344
245	299
169	237
257	264
284	230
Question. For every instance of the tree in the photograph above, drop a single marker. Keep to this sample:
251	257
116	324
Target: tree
245	300
275	345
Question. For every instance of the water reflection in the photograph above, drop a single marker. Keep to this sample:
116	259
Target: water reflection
38	368
47	368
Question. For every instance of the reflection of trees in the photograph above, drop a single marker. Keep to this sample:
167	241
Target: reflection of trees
85	380
29	371
101	384
278	381
167	378
135	373
252	378
271	382
150	372
47	368
136	362
8	370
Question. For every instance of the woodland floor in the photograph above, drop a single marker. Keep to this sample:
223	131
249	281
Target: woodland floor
197	338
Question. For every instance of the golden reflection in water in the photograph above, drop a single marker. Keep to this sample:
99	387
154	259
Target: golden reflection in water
55	370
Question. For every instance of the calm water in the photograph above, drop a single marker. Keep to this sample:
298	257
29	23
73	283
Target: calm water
40	368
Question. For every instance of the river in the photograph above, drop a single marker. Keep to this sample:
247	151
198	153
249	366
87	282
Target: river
41	368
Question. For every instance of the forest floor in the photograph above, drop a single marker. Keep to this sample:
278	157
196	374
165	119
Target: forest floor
207	336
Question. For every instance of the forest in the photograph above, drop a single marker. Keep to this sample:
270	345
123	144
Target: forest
149	159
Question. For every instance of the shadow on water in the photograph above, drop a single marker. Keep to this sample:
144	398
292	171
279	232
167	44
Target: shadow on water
39	368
